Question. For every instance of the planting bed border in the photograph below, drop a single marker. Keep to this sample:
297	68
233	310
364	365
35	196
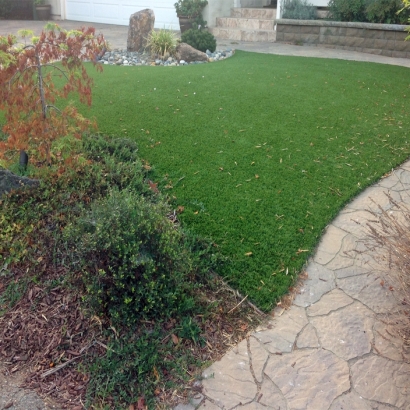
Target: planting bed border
381	39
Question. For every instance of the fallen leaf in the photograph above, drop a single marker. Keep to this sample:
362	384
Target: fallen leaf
180	209
141	404
248	253
175	339
256	176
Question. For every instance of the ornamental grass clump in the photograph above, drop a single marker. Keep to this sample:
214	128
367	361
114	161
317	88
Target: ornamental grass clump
161	42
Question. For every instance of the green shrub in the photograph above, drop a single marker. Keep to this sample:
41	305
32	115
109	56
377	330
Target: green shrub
298	10
5	9
348	10
161	42
135	261
369	11
386	11
199	39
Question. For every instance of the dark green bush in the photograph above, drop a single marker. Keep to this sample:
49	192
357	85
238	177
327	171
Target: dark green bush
135	261
369	11
348	10
200	39
298	10
385	11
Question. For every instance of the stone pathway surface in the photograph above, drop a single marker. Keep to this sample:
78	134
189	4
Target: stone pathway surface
332	349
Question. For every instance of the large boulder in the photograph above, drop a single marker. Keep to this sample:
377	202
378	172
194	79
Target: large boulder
188	53
10	182
141	24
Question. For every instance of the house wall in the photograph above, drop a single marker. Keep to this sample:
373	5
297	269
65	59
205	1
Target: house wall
55	9
217	8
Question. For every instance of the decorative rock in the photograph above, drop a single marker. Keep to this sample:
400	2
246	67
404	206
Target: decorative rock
182	62
259	358
307	338
141	24
333	300
10	182
187	53
329	245
271	397
320	281
382	380
352	401
309	379
368	289
229	381
346	332
281	337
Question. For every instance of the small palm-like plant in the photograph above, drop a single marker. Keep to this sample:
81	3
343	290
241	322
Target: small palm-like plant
161	42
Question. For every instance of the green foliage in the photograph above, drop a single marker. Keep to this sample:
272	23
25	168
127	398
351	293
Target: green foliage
193	10
369	11
200	39
190	8
348	10
135	365
162	42
387	11
5	9
134	259
298	10
190	330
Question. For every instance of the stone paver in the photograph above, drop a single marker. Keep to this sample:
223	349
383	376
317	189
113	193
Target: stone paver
331	350
335	348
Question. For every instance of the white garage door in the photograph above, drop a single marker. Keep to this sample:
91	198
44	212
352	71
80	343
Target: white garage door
119	11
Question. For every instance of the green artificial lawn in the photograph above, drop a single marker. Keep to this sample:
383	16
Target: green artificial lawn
262	151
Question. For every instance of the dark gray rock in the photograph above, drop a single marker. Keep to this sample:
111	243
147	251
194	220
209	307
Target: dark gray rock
10	182
141	24
187	53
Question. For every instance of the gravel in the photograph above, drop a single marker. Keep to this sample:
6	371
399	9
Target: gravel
133	58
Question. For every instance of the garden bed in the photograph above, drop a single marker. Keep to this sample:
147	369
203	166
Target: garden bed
381	39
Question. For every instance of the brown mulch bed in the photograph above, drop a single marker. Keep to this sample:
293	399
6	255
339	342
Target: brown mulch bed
47	334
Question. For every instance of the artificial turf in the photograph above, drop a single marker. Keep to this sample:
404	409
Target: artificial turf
261	151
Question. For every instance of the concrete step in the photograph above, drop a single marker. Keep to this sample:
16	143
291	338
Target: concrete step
253	13
237	34
245	23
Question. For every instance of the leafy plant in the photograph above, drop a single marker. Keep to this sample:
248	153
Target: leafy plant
298	10
161	42
369	11
348	10
33	121
134	260
192	9
200	39
39	2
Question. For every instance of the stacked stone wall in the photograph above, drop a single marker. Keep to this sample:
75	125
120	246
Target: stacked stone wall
381	39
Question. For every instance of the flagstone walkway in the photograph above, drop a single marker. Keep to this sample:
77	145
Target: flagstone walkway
334	348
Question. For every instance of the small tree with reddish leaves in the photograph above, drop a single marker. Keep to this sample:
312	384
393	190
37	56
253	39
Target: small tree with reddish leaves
28	95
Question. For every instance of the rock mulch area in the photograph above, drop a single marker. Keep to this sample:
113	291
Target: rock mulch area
335	348
133	58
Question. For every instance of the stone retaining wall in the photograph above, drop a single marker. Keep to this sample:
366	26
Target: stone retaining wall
382	39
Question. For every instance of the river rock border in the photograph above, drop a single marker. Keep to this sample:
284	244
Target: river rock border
380	39
133	58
